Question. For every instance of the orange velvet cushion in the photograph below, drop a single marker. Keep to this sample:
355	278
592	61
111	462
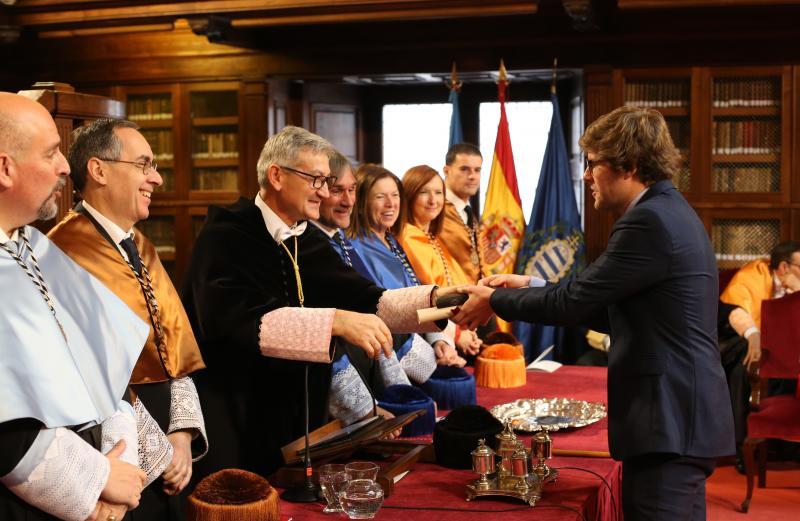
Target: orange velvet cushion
500	366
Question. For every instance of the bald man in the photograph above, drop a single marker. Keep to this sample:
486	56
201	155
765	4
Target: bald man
67	349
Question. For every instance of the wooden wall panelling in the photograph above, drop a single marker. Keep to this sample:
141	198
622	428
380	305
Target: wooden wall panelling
599	100
254	129
796	142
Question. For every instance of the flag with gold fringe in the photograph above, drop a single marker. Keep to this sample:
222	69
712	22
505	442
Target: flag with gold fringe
502	220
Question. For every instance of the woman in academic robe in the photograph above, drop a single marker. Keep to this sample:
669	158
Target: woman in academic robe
424	194
377	221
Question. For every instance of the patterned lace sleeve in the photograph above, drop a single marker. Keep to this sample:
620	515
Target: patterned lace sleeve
185	413
60	474
391	371
122	426
419	362
397	307
349	398
155	450
297	334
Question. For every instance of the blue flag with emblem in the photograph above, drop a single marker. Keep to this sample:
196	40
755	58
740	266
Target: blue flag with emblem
456	134
553	248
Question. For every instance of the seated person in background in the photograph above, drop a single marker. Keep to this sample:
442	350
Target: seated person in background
424	196
113	169
739	325
67	346
266	295
357	379
373	230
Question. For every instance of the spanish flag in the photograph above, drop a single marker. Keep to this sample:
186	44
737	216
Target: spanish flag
502	220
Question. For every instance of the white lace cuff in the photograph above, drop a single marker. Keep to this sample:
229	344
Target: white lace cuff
185	413
60	474
349	400
297	334
438	336
122	426
397	308
391	371
419	362
155	450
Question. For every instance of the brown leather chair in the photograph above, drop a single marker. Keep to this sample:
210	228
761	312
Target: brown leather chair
773	417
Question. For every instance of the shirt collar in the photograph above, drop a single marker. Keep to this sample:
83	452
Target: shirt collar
458	203
116	233
4	238
278	229
777	286
330	232
637	198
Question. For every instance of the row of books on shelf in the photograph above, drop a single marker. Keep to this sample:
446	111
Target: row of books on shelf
215	145
747	93
744	240
657	94
681	133
215	179
149	108
746	136
160	140
745	179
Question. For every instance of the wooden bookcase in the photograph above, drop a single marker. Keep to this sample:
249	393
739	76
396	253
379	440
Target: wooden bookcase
735	127
195	131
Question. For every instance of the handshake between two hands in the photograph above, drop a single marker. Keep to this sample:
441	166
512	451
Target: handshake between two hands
476	310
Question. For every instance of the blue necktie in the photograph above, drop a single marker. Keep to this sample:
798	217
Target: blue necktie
133	255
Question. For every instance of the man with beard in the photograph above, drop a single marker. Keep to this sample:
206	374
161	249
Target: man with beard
67	348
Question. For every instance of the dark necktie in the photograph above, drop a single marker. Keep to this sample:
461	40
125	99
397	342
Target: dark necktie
133	256
470	217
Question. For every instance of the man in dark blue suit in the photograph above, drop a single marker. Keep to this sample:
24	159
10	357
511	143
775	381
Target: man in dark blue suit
654	290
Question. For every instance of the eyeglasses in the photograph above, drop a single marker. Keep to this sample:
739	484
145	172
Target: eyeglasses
146	166
317	181
591	163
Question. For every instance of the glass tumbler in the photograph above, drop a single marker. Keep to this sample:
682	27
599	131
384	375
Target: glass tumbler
361	470
332	480
361	499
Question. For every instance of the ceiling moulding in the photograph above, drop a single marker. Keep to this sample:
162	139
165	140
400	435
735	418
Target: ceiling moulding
680	4
258	12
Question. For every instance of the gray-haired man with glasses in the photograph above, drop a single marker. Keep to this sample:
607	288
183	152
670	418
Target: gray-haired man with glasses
113	169
266	294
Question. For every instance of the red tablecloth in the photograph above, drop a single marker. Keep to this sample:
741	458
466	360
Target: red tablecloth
429	485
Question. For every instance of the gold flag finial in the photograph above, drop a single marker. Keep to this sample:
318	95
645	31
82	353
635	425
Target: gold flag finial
555	76
503	72
454	84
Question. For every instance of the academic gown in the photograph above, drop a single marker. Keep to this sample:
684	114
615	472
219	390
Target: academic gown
237	274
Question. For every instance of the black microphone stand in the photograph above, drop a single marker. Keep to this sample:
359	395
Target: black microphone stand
307	492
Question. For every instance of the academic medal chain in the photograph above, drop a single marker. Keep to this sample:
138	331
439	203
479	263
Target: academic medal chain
36	277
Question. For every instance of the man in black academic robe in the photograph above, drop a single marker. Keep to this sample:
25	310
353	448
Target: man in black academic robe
243	297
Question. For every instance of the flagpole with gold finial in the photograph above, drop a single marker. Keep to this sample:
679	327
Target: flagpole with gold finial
555	76
454	84
502	81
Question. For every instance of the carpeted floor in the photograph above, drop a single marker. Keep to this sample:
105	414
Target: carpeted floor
780	501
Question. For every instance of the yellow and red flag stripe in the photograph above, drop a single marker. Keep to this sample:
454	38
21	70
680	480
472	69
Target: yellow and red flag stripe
502	220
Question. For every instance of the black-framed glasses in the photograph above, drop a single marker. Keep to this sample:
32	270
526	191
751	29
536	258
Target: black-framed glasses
317	181
591	163
146	166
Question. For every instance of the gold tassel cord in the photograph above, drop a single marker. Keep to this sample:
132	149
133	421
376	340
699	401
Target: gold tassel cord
296	267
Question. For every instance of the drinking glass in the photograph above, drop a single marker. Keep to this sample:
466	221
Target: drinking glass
361	470
361	499
332	480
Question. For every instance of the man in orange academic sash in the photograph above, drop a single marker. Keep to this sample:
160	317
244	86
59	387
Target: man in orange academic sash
114	170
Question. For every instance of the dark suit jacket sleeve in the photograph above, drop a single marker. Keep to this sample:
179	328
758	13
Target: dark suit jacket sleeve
636	258
16	437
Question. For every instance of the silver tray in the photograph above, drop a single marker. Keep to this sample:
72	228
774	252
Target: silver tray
531	414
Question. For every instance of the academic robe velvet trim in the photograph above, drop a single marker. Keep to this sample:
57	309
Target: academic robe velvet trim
426	261
749	287
77	236
455	237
